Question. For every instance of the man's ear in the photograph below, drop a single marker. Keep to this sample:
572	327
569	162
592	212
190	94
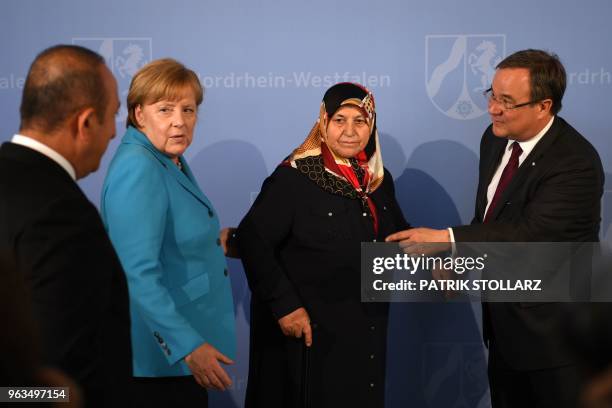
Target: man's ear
545	107
86	120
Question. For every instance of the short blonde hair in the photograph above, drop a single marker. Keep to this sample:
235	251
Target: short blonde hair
161	79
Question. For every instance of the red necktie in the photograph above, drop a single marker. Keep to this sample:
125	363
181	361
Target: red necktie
505	178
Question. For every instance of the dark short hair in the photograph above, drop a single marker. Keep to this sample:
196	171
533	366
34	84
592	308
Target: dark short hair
62	80
546	74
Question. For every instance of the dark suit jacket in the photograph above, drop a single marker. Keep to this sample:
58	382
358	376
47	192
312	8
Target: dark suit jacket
300	247
19	343
74	280
554	196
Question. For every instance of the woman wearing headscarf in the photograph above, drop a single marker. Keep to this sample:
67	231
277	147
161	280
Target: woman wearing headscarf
166	233
313	342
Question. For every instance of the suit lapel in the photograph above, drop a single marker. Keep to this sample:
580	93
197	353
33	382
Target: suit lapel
528	166
133	136
488	170
187	180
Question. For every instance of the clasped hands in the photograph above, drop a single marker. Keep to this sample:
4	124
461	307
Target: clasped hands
426	241
297	323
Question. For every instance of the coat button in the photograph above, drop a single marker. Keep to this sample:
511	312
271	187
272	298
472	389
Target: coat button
329	214
374	240
225	272
371	385
210	213
365	214
218	241
371	356
372	328
384	208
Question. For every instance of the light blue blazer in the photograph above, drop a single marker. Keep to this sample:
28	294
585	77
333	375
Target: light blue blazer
166	234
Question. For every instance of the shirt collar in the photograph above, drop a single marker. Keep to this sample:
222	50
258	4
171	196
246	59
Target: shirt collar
45	150
528	145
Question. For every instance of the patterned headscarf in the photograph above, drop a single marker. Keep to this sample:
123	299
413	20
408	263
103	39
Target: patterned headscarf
354	178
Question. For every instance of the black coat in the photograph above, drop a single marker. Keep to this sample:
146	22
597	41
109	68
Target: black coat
300	247
554	197
75	282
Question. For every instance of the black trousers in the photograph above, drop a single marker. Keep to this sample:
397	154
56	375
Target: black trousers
557	387
172	392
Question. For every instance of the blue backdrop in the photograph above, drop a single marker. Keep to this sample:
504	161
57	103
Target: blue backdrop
265	66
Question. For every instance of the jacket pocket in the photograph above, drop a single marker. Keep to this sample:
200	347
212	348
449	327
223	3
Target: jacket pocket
190	291
327	222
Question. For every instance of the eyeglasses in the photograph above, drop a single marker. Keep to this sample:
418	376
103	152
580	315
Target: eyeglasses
490	96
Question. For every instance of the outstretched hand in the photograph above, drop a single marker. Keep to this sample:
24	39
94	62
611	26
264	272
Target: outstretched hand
418	241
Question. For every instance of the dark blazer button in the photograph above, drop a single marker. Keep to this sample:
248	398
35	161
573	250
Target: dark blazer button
218	241
225	271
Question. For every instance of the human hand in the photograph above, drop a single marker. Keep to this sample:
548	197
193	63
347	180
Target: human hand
228	237
204	365
412	240
52	377
297	323
597	392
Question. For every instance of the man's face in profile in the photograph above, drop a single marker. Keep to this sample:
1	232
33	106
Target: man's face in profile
103	131
511	86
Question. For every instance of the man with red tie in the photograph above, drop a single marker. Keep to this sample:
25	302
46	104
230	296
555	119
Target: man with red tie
539	180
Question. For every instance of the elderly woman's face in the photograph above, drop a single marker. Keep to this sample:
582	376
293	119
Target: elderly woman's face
169	124
347	132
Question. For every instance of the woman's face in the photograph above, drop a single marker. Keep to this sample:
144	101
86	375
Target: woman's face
347	132
169	124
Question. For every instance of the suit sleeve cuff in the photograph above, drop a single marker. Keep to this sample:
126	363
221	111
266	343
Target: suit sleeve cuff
286	304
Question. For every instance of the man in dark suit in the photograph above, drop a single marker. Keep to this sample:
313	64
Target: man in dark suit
539	180
74	280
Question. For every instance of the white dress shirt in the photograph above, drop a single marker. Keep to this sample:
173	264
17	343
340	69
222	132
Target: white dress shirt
46	150
527	146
